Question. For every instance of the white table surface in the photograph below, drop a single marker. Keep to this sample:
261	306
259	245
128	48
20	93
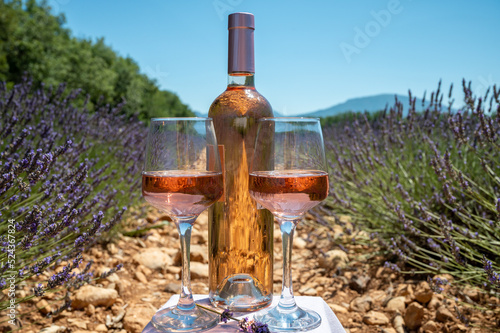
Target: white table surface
329	321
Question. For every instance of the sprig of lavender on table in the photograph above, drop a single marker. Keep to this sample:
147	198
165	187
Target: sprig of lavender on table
245	325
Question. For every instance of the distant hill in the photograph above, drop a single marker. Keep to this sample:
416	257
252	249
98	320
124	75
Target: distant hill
359	104
367	103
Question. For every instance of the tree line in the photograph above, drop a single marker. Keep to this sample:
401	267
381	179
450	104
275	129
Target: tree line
34	42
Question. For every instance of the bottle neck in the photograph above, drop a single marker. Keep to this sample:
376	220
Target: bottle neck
243	80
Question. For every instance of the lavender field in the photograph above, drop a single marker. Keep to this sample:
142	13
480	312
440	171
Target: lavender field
66	177
422	190
425	187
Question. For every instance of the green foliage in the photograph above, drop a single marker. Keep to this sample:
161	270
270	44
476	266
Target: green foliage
33	41
349	117
425	186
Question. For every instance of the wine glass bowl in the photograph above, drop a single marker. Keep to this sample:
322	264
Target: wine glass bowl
294	181
288	194
182	193
182	176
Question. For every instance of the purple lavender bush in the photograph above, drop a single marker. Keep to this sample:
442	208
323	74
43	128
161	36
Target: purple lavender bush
426	187
66	177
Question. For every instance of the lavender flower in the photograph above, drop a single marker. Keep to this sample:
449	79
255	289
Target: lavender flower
54	159
392	266
493	277
245	325
425	182
226	316
252	326
38	290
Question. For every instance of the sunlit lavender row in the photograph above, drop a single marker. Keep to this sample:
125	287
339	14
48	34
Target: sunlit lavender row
66	177
425	186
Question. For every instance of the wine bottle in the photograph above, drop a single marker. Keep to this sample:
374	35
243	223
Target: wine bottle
240	232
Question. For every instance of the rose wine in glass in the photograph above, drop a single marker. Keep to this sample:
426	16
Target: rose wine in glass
182	177
295	182
180	192
289	192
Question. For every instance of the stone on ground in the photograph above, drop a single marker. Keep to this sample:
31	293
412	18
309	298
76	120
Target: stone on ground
44	307
361	304
423	292
53	329
429	327
396	304
137	317
414	315
333	259
443	314
153	258
375	318
199	270
93	295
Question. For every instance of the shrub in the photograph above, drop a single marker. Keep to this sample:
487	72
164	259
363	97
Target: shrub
34	40
425	186
65	177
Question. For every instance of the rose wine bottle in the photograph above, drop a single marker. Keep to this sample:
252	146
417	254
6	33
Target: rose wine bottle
240	232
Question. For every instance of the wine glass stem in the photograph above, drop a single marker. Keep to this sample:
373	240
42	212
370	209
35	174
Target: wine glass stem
287	302
186	301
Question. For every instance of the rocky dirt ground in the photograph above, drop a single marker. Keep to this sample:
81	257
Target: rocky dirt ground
365	296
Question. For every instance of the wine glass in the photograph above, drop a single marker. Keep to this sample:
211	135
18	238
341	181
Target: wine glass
182	177
295	181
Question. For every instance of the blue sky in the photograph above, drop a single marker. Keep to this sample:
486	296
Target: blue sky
309	55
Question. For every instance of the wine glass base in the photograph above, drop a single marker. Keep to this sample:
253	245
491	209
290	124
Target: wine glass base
173	320
284	320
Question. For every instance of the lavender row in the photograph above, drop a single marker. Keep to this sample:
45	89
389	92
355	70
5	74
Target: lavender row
66	177
425	186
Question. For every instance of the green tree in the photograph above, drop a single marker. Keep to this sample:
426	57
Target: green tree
34	41
8	22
